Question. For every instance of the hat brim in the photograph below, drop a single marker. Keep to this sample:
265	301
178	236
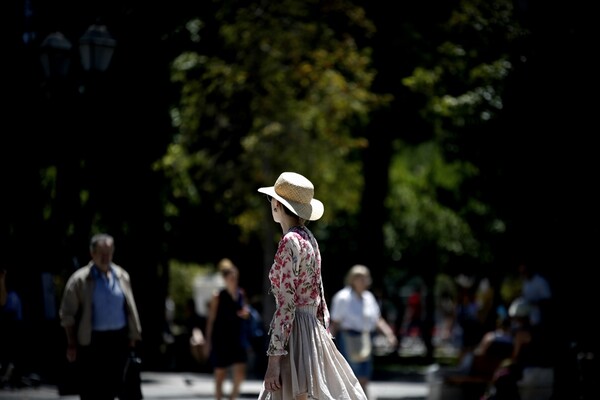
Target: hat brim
309	212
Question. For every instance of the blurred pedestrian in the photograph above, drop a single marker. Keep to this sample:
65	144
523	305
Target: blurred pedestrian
168	347
527	356
11	332
226	341
257	337
495	346
412	321
303	361
445	339
478	369
101	322
356	318
536	291
195	325
469	326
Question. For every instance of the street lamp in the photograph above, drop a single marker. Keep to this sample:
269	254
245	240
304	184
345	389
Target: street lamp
75	92
56	55
96	48
68	122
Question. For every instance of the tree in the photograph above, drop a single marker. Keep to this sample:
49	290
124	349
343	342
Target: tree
285	88
440	205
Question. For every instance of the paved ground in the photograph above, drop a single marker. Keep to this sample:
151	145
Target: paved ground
175	386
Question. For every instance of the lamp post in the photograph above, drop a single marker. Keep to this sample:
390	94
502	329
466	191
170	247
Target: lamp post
70	75
96	48
55	55
61	137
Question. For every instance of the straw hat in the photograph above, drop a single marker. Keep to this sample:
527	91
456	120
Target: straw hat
296	193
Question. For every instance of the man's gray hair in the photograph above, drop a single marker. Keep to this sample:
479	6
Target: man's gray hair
101	238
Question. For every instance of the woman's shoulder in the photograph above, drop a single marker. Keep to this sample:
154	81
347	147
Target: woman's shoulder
292	238
299	235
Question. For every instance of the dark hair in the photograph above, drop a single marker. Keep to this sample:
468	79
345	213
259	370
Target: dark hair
293	214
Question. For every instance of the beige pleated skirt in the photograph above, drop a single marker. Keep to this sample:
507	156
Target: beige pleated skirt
314	367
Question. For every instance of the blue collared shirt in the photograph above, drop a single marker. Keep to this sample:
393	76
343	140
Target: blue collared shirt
12	309
108	302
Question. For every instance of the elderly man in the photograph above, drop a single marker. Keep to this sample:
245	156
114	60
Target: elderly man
100	318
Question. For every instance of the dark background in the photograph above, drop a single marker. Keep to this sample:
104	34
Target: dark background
546	154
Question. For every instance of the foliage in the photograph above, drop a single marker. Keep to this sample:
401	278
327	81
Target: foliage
288	90
287	85
431	199
464	83
417	174
181	280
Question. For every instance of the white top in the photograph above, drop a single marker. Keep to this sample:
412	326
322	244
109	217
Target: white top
351	311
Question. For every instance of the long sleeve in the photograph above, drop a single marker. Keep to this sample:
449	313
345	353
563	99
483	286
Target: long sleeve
282	275
295	282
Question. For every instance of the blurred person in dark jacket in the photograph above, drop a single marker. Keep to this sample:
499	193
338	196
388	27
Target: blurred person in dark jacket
11	321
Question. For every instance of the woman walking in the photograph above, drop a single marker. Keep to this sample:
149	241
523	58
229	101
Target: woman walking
303	361
226	344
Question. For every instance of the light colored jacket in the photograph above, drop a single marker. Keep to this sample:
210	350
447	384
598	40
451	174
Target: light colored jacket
76	305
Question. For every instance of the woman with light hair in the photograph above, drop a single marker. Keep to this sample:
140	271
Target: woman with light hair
356	318
225	343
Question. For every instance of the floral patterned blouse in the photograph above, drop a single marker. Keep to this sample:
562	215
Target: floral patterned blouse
295	282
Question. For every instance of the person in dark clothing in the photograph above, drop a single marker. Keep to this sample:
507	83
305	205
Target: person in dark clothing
11	333
227	344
